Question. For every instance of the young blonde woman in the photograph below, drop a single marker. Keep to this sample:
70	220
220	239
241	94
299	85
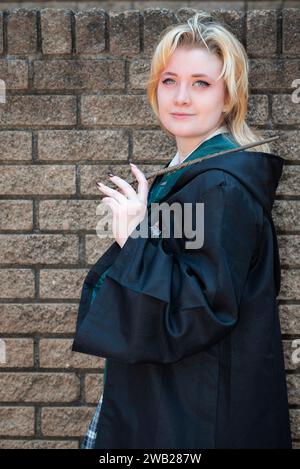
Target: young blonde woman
191	332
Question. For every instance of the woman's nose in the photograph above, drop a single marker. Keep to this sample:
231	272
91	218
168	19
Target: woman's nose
182	96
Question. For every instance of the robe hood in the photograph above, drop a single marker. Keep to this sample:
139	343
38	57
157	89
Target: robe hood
258	172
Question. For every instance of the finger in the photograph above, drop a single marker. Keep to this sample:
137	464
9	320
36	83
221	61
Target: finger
129	192
112	203
142	183
111	192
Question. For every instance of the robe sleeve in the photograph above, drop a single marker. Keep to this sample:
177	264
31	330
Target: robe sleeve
161	302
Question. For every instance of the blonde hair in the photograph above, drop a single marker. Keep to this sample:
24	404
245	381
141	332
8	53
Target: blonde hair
202	31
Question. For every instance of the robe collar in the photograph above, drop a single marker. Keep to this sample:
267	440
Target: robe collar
176	159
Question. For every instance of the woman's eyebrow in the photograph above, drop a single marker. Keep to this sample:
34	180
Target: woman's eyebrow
194	75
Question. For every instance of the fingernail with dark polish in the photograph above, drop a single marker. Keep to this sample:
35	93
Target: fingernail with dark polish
109	173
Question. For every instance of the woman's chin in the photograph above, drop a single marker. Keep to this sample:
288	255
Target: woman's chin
181	132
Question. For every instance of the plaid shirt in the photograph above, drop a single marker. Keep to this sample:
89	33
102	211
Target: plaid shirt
90	437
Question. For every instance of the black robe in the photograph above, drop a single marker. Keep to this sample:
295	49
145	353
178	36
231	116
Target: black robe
192	336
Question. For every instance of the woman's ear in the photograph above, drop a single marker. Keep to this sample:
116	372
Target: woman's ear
225	109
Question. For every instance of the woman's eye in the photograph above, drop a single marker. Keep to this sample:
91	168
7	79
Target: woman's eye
198	81
164	81
201	81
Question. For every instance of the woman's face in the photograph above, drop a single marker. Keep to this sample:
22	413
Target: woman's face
202	97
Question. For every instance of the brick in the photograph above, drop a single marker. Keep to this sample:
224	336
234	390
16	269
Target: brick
39	387
66	421
289	318
89	174
147	4
124	33
115	5
155	21
61	283
291	31
16	215
213	5
291	355
56	31
288	144
262	33
93	385
284	110
14	73
18	353
15	145
37	180
90	31
139	70
182	14
17	283
289	250
57	353
38	249
121	110
273	75
28	111
17	421
1	32
152	145
257	110
289	284
95	247
231	17
289	183
286	215
39	444
295	422
38	318
293	384
79	75
265	5
71	215
21	32
82	145
291	4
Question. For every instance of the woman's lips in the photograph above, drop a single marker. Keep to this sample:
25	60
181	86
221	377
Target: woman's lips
182	116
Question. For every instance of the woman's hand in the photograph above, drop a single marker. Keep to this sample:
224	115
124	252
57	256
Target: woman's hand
129	208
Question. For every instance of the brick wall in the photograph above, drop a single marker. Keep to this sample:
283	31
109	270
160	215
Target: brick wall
75	107
123	5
